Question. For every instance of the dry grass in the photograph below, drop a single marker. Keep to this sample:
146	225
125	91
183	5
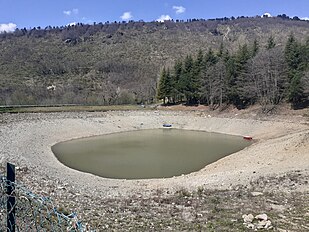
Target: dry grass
200	210
79	108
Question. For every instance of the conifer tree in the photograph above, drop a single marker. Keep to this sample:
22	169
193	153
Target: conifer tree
198	62
209	78
296	57
293	55
241	59
270	43
176	76
221	50
165	86
295	90
231	76
255	48
196	78
185	79
210	58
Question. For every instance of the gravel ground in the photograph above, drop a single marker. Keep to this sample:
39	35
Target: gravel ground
278	161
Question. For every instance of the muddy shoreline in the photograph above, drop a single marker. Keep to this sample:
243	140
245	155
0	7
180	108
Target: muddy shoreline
280	146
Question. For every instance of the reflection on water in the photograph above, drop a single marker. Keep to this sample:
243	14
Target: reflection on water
147	153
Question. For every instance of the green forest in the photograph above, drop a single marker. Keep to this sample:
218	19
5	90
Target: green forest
252	75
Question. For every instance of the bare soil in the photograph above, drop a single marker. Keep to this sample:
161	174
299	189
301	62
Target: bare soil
276	166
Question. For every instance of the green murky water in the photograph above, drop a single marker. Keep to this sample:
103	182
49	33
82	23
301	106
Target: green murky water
145	154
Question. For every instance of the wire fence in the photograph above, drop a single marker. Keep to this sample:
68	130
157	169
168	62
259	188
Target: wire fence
22	210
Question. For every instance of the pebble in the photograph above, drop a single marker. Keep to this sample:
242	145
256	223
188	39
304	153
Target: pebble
248	218
261	217
255	194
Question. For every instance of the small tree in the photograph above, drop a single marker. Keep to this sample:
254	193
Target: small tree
270	43
165	86
255	48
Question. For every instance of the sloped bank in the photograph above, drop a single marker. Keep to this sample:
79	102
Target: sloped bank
26	140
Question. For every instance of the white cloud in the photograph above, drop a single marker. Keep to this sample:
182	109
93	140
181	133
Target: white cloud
126	15
67	12
305	18
72	24
70	12
9	27
87	21
266	15
164	18
179	9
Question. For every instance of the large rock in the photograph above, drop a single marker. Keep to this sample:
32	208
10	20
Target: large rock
262	217
260	221
255	194
248	218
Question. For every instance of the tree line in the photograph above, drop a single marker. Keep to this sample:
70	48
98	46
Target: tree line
119	63
252	75
81	32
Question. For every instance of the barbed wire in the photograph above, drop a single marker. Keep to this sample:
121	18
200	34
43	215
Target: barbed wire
35	213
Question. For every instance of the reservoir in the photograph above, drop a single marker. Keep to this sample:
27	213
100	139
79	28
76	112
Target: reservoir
144	154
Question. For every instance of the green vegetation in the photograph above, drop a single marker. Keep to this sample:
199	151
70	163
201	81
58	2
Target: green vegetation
120	63
297	59
249	76
165	88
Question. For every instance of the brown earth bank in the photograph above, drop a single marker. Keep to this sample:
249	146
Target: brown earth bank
271	176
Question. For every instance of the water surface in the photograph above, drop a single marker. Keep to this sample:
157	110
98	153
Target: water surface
143	154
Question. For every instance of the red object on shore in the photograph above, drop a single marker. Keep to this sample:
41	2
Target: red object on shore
247	137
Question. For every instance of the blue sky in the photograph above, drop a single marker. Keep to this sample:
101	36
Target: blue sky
33	13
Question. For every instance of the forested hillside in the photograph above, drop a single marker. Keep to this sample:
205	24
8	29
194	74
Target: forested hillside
252	75
118	63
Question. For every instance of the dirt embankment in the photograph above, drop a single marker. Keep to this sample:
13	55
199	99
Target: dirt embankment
280	146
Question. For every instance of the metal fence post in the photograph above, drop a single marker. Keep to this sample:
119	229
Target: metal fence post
11	198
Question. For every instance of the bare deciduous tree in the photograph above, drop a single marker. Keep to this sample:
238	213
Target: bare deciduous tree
214	86
264	78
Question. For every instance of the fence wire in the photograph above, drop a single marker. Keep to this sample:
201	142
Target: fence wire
35	213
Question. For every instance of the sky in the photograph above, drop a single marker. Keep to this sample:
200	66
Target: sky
33	13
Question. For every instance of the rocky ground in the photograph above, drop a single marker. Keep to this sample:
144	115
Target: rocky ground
269	177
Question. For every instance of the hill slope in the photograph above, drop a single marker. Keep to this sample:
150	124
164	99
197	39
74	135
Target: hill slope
117	63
